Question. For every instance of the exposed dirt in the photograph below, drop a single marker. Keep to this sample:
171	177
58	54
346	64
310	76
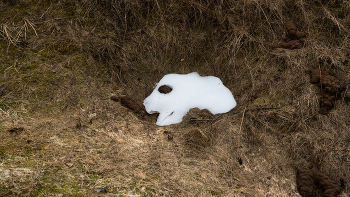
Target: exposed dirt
312	182
165	89
331	89
293	32
196	115
294	39
292	44
130	103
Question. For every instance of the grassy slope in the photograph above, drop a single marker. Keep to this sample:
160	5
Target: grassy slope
62	61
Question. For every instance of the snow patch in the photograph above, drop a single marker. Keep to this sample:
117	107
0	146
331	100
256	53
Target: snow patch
188	91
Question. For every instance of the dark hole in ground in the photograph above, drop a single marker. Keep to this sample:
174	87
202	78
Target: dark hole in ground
240	161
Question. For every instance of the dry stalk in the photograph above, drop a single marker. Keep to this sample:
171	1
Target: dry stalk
26	21
240	132
7	33
330	16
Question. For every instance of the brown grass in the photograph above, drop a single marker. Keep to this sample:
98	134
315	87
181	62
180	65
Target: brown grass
63	60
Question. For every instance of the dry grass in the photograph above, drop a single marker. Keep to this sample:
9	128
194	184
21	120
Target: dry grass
62	60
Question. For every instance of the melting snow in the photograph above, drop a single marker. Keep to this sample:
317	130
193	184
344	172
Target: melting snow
188	91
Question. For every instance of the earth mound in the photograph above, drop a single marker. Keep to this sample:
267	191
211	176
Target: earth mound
294	39
330	89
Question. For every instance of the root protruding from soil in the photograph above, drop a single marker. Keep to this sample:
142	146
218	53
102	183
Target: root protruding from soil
312	182
330	89
294	39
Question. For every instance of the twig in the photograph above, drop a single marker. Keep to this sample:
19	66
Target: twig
330	16
168	116
240	129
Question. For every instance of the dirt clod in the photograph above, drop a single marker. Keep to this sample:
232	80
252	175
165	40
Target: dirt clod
312	182
294	39
165	89
292	31
330	89
130	103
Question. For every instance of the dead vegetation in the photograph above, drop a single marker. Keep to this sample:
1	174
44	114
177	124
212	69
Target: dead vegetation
64	61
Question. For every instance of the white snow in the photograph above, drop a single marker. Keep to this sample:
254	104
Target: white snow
188	91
